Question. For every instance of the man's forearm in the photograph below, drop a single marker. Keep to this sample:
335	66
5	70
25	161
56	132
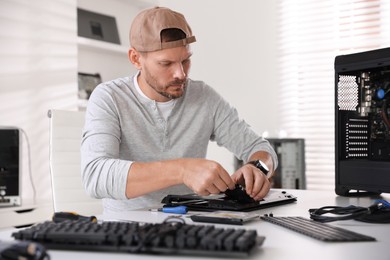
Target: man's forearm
146	177
202	176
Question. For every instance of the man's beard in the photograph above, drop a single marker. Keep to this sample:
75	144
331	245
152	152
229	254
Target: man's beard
152	82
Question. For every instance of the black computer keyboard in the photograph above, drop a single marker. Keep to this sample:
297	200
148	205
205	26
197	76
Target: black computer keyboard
135	237
317	230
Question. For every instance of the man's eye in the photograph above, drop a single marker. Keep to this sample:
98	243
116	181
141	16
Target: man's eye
165	64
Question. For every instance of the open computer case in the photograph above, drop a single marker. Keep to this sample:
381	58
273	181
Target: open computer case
362	124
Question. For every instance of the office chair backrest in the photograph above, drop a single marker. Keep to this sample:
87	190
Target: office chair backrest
65	138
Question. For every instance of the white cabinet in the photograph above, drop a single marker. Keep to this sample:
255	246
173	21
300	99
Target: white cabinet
27	214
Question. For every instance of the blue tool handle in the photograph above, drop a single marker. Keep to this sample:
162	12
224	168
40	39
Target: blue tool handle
176	210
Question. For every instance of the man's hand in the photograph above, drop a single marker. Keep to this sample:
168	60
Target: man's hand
205	177
255	182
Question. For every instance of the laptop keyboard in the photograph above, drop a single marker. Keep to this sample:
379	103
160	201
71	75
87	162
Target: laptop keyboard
135	237
317	230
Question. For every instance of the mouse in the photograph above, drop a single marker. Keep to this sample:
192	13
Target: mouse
239	194
23	250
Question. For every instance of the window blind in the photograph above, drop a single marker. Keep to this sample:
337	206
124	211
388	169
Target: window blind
311	34
38	71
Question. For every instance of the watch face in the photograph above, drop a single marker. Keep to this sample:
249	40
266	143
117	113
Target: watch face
262	166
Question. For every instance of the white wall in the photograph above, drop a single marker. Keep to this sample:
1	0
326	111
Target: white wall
236	54
235	51
38	70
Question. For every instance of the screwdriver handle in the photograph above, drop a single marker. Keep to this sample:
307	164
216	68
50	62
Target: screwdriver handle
63	215
175	210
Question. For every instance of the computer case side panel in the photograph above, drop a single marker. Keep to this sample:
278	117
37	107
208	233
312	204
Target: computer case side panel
362	125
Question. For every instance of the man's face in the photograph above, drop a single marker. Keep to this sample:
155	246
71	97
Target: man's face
163	73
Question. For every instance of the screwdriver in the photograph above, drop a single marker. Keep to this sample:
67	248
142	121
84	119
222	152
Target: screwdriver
62	216
175	210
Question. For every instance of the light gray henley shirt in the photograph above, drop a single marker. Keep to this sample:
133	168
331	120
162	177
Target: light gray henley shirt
122	126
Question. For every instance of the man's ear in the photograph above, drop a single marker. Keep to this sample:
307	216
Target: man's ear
134	57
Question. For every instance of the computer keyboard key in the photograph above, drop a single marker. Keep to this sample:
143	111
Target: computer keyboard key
209	240
229	242
221	237
205	230
247	240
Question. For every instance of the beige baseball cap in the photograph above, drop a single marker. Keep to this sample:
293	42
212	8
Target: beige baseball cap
147	26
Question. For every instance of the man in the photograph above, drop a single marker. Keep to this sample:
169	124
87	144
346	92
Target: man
146	136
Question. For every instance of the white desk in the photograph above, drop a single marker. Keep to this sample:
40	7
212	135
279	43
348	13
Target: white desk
280	242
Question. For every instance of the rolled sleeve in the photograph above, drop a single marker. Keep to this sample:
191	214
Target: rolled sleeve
104	175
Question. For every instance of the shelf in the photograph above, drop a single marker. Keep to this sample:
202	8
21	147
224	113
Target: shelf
95	45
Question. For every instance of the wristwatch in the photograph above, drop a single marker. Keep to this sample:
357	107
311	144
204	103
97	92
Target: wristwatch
260	165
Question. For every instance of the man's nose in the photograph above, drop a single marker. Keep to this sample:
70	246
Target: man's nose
179	72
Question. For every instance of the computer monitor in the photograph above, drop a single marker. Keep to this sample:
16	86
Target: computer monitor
362	125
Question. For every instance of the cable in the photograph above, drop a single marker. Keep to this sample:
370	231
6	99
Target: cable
384	115
154	233
344	213
379	212
29	164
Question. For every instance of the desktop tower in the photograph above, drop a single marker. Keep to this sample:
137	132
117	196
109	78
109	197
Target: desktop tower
362	124
10	155
291	171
